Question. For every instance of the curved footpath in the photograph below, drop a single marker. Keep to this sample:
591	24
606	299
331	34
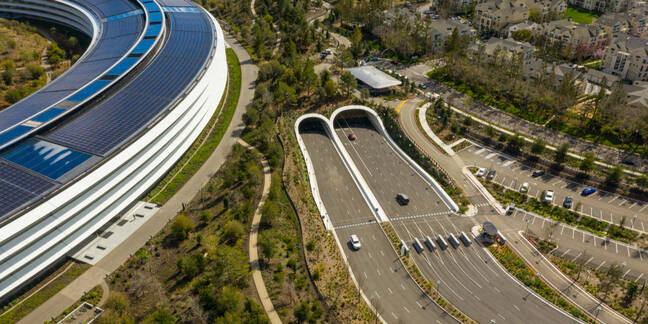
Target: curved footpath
253	242
93	276
454	166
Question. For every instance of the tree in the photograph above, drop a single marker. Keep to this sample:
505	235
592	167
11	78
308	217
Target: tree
117	302
348	82
233	231
561	154
302	312
611	278
515	143
328	90
614	176
538	146
523	35
642	181
163	316
182	226
587	164
268	245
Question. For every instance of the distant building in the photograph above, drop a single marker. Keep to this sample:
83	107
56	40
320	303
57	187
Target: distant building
601	5
637	93
554	8
508	46
376	81
441	29
574	34
615	22
494	15
526	25
627	57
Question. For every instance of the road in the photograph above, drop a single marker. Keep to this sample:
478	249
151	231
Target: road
569	240
376	265
469	278
608	207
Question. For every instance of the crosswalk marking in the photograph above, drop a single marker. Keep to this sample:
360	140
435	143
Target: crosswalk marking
355	225
422	215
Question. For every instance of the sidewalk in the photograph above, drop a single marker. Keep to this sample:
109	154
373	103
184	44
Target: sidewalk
563	284
254	235
93	276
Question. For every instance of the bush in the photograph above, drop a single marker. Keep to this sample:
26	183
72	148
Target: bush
233	231
181	227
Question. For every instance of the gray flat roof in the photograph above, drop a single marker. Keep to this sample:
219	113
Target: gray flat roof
373	77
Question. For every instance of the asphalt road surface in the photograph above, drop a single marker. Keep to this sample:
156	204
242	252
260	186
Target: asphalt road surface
386	172
376	265
608	207
483	291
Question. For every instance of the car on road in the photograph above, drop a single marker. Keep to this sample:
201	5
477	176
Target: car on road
567	203
537	173
402	199
480	172
524	188
491	175
352	137
355	242
588	191
549	196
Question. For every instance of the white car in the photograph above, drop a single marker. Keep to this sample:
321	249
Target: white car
355	242
481	172
524	188
549	196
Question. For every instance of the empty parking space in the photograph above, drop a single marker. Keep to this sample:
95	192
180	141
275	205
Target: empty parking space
608	207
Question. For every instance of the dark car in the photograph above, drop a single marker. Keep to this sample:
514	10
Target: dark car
567	203
352	137
490	175
588	191
538	173
402	199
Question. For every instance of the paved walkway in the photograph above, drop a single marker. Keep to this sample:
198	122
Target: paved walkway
95	275
254	235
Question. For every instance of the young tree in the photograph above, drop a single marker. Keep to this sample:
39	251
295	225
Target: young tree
181	227
348	82
587	164
614	176
642	181
561	154
538	146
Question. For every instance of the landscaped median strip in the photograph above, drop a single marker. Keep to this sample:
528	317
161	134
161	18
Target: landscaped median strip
427	286
517	267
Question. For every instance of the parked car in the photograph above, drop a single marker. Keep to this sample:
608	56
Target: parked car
567	203
402	199
490	175
510	209
549	196
588	191
524	188
355	242
422	86
373	59
352	137
481	172
537	173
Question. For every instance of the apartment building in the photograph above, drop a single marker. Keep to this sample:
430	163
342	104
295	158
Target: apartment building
627	57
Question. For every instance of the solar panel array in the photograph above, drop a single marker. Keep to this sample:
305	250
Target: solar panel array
104	127
18	188
122	35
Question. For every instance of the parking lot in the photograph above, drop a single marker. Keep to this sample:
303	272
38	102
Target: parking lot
579	245
609	207
469	277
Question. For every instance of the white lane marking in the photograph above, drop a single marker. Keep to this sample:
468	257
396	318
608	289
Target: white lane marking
407	310
365	274
518	308
377	296
395	317
390	291
378	270
600	265
382	253
402	286
419	304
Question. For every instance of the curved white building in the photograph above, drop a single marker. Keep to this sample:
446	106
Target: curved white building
85	147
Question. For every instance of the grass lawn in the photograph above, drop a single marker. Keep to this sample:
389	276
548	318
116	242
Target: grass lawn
580	16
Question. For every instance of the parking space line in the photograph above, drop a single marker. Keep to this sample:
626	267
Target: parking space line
628	251
640	275
626	273
622	202
390	291
588	261
576	257
634	203
378	271
644	207
600	265
613	199
419	304
617	248
562	229
563	255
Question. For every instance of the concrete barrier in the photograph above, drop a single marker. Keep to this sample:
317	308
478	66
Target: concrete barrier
311	170
378	124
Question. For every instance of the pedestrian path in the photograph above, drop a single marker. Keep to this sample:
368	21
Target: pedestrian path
253	241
